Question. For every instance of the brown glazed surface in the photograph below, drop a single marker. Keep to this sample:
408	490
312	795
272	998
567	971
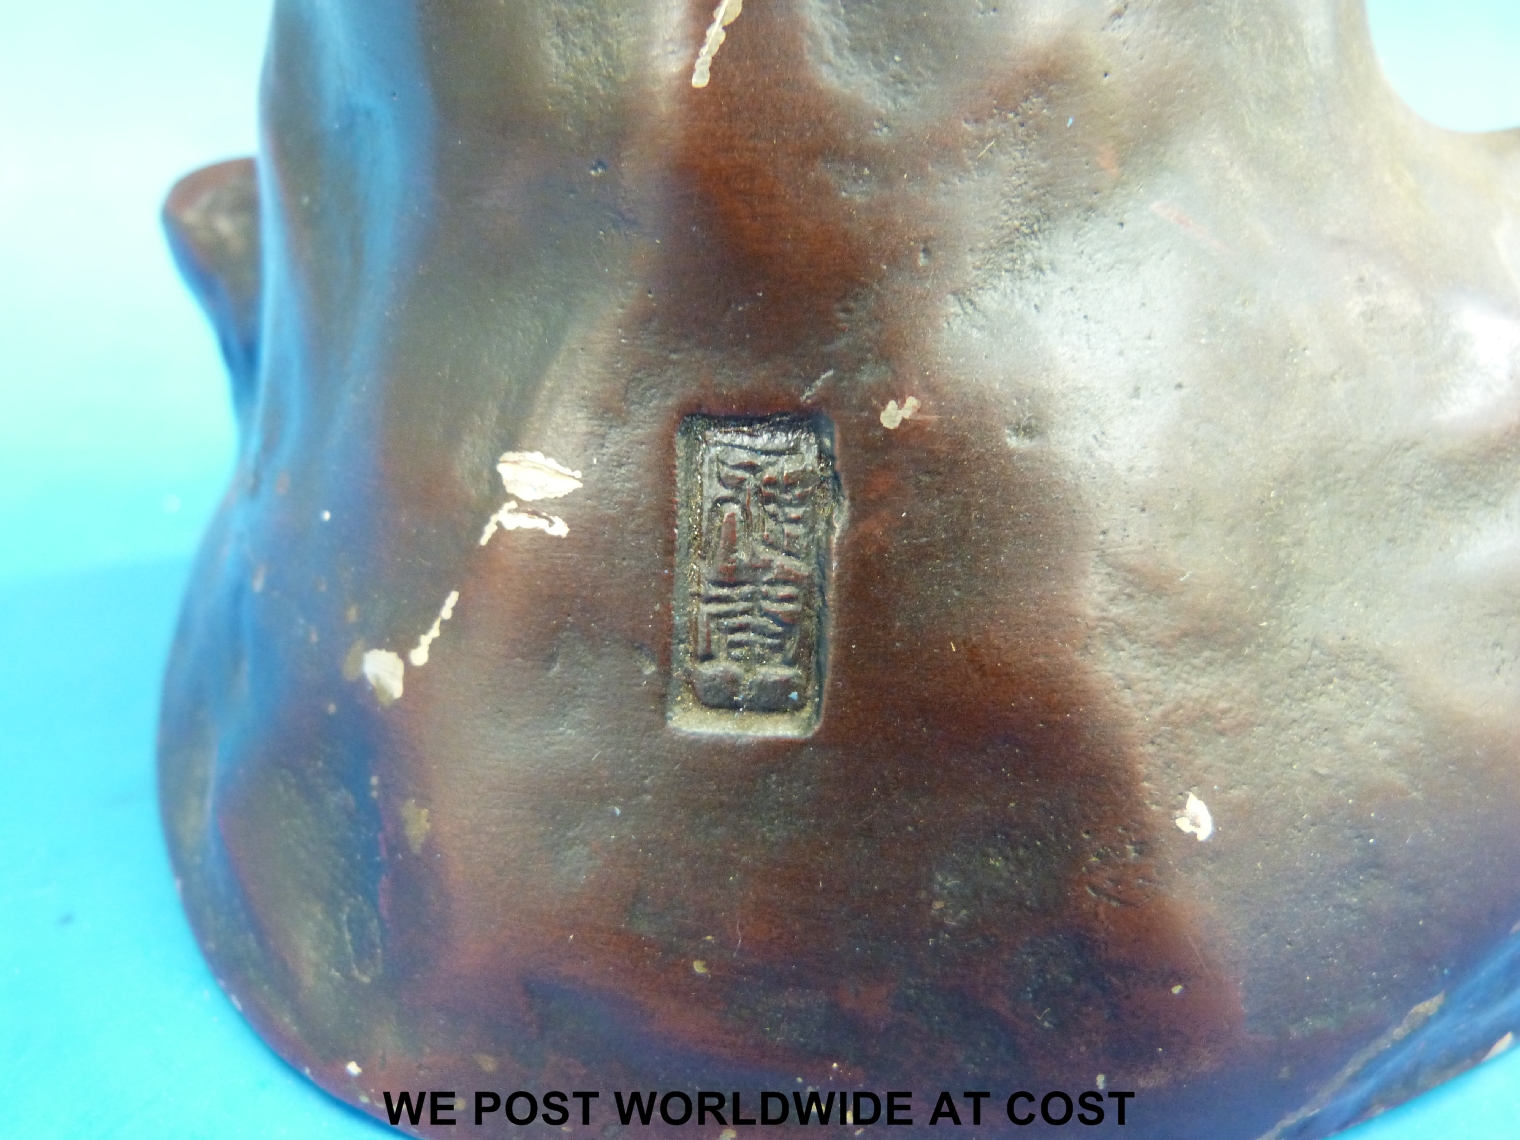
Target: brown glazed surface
1210	490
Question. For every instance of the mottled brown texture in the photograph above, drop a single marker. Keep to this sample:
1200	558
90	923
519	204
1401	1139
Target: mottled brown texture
1208	490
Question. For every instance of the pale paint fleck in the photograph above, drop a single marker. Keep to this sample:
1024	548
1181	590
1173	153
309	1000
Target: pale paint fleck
419	655
892	416
353	1068
1426	1009
1196	819
699	966
1102	1082
532	475
728	1134
414	822
384	672
1176	989
259	574
486	1062
1500	1046
513	517
724	14
812	389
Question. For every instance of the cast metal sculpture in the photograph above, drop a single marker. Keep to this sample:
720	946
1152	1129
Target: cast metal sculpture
876	545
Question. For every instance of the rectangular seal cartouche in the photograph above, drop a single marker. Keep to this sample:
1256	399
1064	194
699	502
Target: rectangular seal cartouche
758	504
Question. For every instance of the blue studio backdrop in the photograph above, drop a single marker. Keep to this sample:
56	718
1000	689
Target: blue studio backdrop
115	443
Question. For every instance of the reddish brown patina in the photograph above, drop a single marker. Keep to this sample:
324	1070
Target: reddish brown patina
1149	436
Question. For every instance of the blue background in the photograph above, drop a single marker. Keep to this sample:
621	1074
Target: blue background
115	442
